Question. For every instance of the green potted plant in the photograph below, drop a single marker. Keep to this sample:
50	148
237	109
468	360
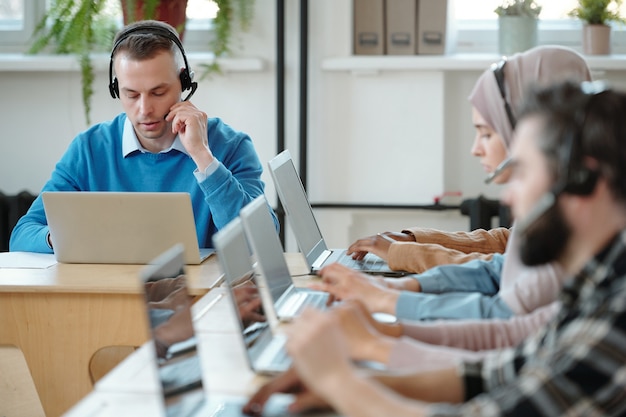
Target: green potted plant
596	15
80	27
517	25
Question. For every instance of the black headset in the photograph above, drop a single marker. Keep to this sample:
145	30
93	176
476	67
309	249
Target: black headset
186	76
576	178
498	72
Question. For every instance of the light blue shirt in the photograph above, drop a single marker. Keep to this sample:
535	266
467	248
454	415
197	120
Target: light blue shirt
464	291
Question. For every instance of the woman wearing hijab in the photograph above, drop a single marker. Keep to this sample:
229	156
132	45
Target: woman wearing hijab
501	287
495	99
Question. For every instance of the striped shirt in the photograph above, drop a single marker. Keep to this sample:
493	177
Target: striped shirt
576	365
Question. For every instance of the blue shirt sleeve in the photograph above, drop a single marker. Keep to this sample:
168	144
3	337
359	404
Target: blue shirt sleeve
31	231
465	291
473	276
454	305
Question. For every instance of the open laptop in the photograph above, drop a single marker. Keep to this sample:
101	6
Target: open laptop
265	350
305	228
288	299
178	360
120	227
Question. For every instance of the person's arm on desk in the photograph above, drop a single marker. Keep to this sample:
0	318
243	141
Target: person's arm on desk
322	374
31	233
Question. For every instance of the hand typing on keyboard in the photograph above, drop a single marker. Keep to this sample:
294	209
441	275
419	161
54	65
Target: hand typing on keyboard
346	284
377	244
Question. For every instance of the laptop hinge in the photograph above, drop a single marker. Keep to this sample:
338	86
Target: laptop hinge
321	259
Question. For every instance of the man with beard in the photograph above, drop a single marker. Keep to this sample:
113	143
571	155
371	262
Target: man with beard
568	188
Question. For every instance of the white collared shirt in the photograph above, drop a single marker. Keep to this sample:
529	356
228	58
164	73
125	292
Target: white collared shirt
130	144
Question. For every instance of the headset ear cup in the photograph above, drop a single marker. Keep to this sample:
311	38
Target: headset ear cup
114	89
582	182
185	79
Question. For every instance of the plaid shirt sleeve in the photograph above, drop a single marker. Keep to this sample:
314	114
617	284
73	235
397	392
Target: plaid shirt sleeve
576	366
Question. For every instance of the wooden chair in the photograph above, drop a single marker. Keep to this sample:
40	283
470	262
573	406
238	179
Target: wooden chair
18	395
107	358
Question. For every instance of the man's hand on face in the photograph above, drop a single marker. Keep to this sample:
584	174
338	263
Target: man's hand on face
190	124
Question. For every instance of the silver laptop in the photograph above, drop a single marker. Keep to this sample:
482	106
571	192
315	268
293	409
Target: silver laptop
305	228
178	361
265	350
288	299
120	227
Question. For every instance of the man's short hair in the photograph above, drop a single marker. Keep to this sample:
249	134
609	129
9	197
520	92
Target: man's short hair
145	39
592	120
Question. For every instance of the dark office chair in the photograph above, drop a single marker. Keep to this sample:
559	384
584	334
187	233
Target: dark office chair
12	207
481	211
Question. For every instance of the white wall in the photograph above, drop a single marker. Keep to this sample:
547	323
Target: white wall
397	137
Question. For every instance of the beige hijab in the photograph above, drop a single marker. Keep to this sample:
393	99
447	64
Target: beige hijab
541	65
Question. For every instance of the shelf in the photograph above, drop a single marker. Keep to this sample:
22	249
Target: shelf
45	63
459	62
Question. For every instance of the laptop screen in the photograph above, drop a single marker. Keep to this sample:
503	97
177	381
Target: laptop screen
119	227
296	205
235	258
266	246
168	306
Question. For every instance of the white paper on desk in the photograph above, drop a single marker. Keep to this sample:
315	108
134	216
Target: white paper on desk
26	260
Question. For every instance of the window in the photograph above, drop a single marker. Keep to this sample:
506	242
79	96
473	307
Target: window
18	19
484	10
476	25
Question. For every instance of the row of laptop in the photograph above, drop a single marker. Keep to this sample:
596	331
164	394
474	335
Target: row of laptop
177	360
262	294
261	291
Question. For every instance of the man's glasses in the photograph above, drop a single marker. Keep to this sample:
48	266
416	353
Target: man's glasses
498	72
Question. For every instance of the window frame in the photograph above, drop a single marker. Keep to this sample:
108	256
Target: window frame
18	40
198	32
468	36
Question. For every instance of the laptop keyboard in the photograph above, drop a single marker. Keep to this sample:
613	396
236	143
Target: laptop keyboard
274	355
181	375
370	263
300	299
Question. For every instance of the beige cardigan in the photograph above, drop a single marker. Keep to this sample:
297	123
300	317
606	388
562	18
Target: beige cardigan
435	247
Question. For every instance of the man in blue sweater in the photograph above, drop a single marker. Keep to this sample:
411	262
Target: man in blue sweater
160	143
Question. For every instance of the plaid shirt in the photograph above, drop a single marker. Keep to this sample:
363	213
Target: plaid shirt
575	366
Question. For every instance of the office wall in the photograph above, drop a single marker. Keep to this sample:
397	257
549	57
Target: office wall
399	136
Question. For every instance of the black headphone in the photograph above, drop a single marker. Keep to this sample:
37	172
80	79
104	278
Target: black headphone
576	178
186	76
498	72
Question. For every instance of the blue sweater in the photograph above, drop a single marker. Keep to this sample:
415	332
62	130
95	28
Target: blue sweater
94	161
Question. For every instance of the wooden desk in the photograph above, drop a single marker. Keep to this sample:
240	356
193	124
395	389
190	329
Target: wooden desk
132	387
60	316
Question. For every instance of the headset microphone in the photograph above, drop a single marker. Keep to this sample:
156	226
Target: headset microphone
499	170
544	204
